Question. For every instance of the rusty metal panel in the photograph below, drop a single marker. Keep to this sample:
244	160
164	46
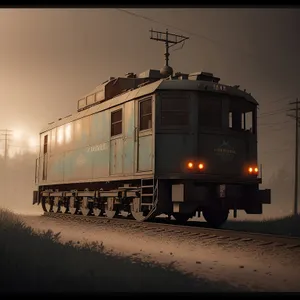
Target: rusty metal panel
173	151
116	156
129	131
145	153
81	129
129	153
99	132
69	136
55	168
78	165
99	149
100	156
60	137
52	141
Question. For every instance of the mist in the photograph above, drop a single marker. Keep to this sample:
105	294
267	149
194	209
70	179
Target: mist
17	174
50	58
17	182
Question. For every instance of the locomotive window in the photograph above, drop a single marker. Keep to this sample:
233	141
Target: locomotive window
116	122
210	112
45	144
175	111
241	115
146	114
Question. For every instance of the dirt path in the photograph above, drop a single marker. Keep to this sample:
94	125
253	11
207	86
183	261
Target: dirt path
251	269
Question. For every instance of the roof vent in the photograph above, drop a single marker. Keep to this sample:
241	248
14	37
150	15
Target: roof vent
204	76
130	75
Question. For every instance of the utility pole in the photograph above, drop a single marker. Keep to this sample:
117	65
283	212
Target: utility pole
296	116
170	40
7	134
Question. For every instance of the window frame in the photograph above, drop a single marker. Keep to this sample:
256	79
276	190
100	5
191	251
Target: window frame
206	97
140	116
117	122
183	96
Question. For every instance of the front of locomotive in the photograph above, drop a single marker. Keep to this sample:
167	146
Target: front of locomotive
206	149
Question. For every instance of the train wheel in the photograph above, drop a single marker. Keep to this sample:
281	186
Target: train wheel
111	210
47	204
85	207
181	218
136	211
215	217
61	208
56	205
96	211
72	206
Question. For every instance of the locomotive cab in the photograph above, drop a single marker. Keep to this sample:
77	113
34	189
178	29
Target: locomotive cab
206	151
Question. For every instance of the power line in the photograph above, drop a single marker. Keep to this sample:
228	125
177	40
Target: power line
296	116
7	134
201	36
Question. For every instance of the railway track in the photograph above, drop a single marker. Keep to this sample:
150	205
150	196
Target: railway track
190	233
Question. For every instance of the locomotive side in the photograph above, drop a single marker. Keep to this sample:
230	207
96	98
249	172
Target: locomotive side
145	145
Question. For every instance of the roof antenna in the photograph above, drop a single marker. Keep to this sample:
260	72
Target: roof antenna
170	40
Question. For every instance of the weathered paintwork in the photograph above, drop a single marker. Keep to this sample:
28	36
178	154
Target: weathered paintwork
83	150
80	147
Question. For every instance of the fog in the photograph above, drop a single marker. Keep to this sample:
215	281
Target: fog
18	174
50	58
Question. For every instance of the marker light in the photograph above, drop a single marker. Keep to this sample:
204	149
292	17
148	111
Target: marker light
253	170
201	166
190	165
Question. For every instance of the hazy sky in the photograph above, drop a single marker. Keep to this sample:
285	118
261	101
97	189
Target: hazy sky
51	57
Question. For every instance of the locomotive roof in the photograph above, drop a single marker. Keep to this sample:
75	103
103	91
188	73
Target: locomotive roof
161	84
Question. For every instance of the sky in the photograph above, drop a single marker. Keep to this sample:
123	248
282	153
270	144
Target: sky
49	58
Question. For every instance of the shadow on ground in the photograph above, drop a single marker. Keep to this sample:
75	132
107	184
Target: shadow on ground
288	226
31	262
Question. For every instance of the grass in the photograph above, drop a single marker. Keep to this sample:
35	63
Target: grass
289	225
38	262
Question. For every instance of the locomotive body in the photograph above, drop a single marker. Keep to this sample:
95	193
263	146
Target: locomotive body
147	145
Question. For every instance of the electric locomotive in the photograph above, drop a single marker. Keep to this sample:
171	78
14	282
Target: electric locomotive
151	144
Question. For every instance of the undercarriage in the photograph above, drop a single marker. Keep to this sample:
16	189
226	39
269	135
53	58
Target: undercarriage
147	198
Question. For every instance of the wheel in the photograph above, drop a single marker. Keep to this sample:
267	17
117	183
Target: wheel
137	213
215	217
96	211
56	205
181	218
61	207
47	204
111	210
72	206
85	207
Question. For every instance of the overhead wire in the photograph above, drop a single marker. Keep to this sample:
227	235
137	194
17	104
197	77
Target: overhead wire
218	43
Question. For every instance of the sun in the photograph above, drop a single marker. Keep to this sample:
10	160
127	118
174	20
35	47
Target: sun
17	134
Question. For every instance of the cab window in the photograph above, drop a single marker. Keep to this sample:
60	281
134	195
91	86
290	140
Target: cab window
210	112
175	109
242	115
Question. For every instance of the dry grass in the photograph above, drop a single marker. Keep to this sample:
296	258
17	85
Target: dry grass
283	226
40	263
